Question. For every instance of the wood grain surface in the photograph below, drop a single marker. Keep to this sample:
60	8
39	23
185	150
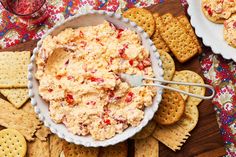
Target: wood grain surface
205	140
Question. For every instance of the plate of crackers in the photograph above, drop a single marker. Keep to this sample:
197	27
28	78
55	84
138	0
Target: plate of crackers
215	23
23	134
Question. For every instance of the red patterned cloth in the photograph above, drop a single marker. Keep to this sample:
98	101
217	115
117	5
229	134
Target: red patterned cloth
219	72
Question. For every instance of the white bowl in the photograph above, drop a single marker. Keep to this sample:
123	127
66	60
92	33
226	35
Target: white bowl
89	19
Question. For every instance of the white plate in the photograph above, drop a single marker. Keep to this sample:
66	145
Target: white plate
41	107
211	33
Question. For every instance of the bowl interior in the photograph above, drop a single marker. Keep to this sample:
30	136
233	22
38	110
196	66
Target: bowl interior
92	19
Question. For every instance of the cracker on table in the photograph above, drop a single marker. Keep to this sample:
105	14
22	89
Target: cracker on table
12	143
38	148
147	147
118	150
193	77
42	133
25	123
173	136
156	37
28	107
178	40
73	150
170	109
143	18
14	69
179	77
146	131
17	96
168	65
56	145
186	24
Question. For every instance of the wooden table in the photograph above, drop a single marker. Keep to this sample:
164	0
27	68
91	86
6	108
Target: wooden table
205	140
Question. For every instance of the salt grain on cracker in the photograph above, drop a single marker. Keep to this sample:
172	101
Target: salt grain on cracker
147	147
143	18
118	150
13	69
12	143
38	148
17	96
10	117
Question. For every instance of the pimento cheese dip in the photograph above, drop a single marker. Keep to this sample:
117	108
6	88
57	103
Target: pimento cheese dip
78	73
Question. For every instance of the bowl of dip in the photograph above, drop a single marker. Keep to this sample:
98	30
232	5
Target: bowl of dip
74	81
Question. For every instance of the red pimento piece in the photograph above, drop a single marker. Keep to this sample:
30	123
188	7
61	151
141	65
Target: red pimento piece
91	103
111	60
146	62
119	33
111	94
107	121
70	78
98	80
234	25
69	98
122	52
131	62
81	34
50	90
83	44
210	12
58	77
129	97
140	66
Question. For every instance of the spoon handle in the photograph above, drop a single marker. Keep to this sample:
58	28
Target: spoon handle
182	83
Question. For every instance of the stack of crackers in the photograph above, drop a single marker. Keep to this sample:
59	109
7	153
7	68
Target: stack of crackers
178	114
168	33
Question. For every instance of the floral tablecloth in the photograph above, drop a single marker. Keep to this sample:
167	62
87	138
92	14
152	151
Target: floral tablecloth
219	72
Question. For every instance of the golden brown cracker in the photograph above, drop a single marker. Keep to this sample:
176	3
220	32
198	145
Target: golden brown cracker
179	77
170	109
168	65
12	143
38	148
167	18
178	40
73	150
14	76
146	131
173	136
193	77
143	18
56	145
28	107
118	150
147	147
42	133
17	96
156	37
186	24
10	117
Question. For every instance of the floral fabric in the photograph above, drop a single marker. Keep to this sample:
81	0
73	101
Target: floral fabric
217	71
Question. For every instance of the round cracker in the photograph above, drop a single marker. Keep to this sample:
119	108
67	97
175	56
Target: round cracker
143	18
171	108
193	77
213	15
230	31
168	65
12	143
146	131
179	77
